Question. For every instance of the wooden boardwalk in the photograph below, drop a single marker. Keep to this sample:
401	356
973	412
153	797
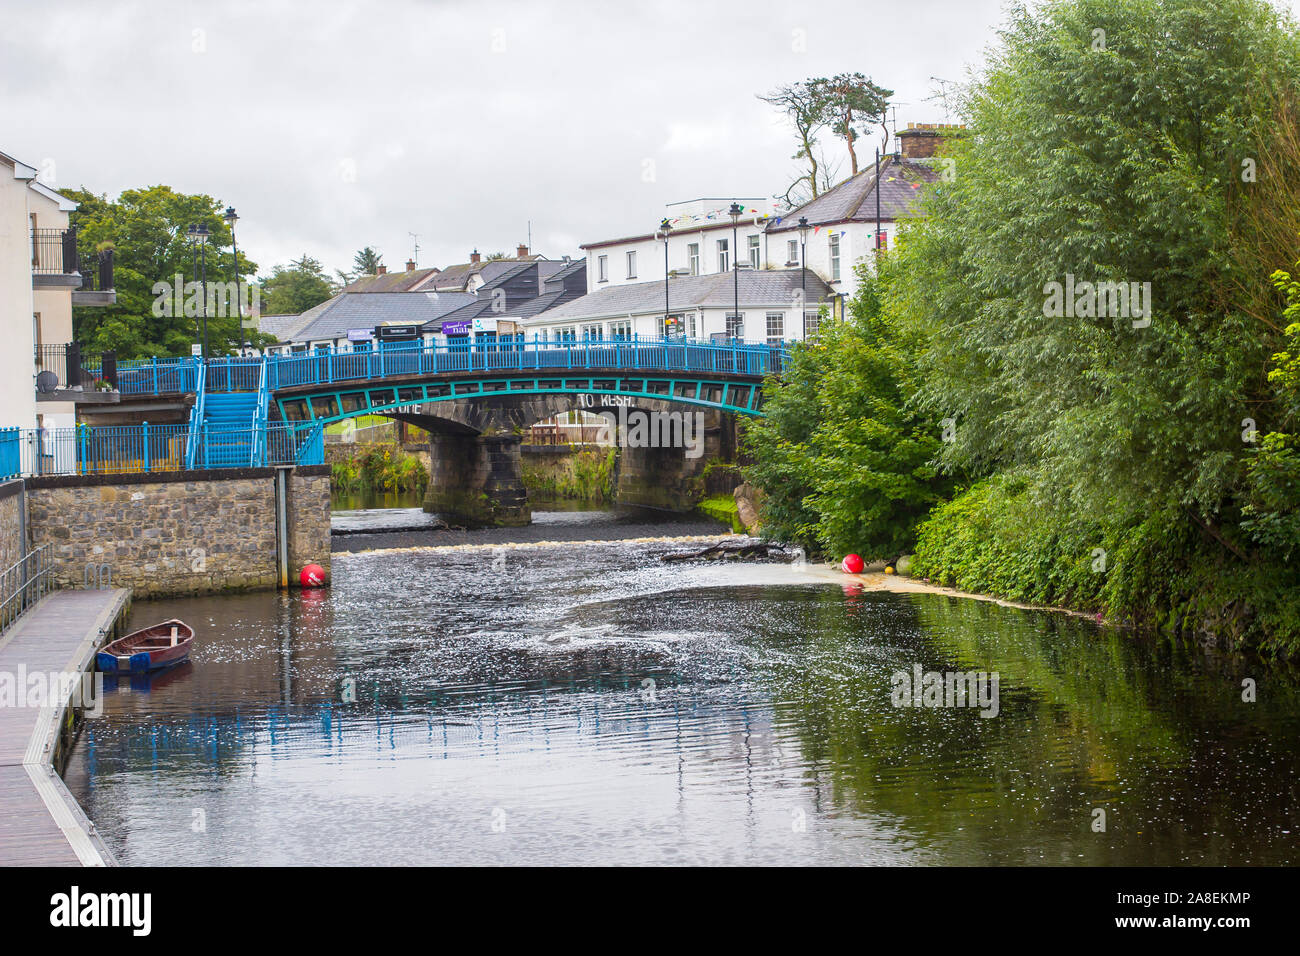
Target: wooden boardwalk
40	823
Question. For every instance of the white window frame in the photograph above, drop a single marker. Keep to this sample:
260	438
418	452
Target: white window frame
602	268
834	243
792	251
812	322
755	252
620	330
631	263
693	257
724	255
779	336
735	325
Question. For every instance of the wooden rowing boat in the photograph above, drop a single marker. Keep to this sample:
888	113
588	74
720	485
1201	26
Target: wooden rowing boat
149	649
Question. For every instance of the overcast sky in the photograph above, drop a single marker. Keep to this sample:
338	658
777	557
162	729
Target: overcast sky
334	125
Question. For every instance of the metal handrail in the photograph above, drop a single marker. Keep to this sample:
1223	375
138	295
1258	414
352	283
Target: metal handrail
24	583
196	417
257	455
156	376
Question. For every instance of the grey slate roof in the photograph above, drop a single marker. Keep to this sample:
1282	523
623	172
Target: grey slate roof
757	288
365	310
483	306
390	282
275	324
292	324
854	200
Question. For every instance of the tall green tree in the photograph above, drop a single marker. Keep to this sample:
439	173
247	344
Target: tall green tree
846	463
295	288
147	230
367	262
805	107
852	103
1094	306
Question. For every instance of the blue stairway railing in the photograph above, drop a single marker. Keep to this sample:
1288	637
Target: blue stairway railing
260	415
194	440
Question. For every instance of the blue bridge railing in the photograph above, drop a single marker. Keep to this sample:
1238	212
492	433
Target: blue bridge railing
326	366
139	449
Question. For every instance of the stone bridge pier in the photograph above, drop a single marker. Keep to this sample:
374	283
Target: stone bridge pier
661	474
474	480
475	476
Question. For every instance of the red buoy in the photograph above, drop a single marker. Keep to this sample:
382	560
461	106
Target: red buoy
313	576
852	564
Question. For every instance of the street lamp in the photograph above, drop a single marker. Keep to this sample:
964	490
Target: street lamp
199	235
665	226
734	212
231	218
803	274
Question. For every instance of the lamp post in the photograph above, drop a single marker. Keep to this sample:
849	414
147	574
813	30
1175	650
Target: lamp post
665	226
199	236
803	274
231	218
734	212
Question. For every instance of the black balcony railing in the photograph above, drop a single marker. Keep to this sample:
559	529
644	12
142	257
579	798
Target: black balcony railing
54	252
66	366
98	276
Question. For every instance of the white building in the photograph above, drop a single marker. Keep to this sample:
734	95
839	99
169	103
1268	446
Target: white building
40	281
700	241
829	236
775	305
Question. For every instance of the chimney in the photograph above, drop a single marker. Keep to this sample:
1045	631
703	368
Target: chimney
922	140
474	256
410	265
521	252
383	271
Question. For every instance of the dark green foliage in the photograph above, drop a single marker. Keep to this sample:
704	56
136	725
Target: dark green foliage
845	463
146	228
1108	463
295	288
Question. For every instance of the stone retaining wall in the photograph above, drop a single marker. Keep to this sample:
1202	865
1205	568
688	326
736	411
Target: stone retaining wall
182	532
12	545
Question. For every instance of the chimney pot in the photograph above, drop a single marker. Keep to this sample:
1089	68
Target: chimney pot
410	265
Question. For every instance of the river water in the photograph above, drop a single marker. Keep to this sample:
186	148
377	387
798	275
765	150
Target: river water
586	702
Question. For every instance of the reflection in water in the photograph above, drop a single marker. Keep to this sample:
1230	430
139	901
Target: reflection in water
587	703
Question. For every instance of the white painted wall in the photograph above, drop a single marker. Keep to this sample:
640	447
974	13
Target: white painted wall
774	252
855	247
54	306
17	370
650	253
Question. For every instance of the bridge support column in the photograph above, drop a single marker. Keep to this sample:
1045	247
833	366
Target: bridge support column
474	480
665	477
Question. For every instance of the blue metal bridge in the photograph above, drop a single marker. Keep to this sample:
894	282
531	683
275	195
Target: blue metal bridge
251	412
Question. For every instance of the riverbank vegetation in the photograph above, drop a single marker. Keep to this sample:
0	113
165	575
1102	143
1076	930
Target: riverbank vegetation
585	474
1138	453
722	508
383	468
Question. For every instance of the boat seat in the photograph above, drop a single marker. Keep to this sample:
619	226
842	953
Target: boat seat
173	635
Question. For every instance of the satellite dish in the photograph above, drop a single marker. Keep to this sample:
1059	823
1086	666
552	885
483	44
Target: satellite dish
47	382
